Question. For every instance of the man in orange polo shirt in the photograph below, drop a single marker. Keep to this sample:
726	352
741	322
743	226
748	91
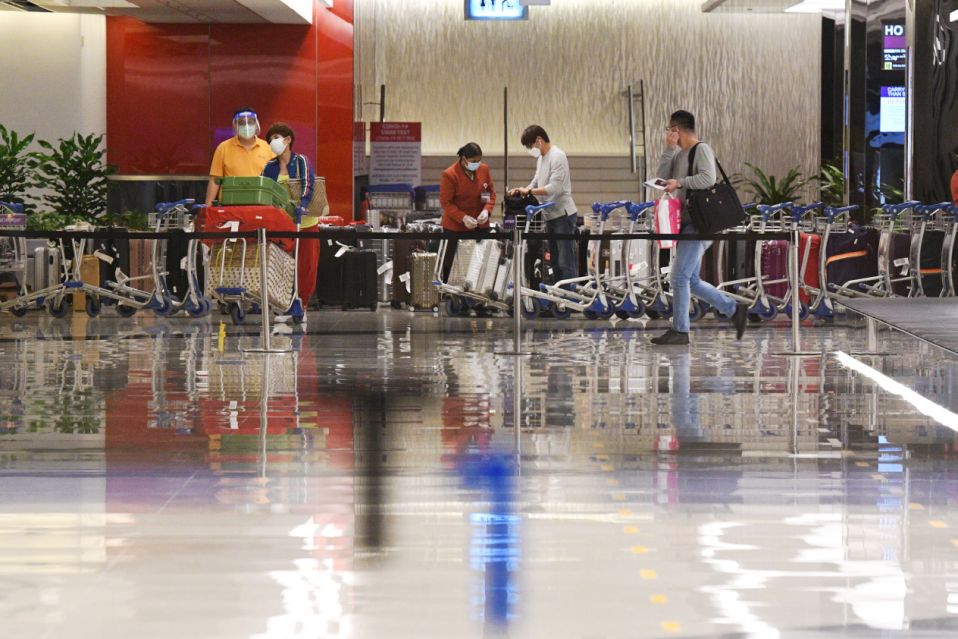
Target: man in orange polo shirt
243	155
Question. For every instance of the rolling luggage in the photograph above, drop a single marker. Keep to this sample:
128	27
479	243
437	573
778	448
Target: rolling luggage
403	252
851	256
900	258
930	267
424	294
458	275
360	280
487	281
113	254
774	266
329	276
47	268
501	290
177	280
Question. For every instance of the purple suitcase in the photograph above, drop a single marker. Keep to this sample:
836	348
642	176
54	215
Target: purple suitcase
774	265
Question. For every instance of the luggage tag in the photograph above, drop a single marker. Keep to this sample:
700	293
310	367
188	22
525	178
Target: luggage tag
342	249
902	263
103	257
232	227
404	278
388	266
665	270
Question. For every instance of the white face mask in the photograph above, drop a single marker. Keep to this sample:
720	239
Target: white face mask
246	131
278	145
535	152
472	166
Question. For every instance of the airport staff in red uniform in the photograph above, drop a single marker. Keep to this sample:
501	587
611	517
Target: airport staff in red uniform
467	196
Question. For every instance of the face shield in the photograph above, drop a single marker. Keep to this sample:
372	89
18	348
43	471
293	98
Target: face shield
246	124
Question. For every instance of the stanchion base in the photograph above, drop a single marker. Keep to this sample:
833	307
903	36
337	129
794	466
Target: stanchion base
800	354
278	351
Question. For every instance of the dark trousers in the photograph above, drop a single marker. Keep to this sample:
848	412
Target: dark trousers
563	252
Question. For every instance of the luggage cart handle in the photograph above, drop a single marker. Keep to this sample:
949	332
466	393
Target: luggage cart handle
798	212
831	212
896	209
636	210
164	207
768	211
927	210
604	209
532	209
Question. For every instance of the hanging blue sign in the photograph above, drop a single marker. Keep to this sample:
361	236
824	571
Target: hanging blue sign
496	10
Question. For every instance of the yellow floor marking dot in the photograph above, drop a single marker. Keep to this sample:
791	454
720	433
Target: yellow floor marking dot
599	445
602	458
862	464
659	599
630	530
612	482
878	477
671	626
915	506
954	542
618	497
639	550
607	468
624	512
937	523
648	574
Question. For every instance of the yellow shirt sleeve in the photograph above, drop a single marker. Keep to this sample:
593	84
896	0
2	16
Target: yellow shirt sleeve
218	166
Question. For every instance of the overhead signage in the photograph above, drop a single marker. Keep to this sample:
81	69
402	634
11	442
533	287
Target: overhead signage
496	10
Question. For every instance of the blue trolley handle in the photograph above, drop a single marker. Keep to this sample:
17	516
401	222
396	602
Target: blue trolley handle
767	210
798	212
164	207
604	209
635	210
532	209
831	212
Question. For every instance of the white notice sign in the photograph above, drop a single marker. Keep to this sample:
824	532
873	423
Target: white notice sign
395	153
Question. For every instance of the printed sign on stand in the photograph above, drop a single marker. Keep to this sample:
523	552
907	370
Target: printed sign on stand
360	165
395	153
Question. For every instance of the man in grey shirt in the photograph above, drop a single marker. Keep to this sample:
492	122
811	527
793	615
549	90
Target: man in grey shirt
681	142
552	182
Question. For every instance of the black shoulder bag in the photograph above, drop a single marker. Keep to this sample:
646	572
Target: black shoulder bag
714	209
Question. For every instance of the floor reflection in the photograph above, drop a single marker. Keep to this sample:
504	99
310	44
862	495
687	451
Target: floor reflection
400	475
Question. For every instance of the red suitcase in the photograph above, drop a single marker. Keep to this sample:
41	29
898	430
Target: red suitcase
775	260
250	218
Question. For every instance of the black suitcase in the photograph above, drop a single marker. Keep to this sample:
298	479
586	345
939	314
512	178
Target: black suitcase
329	276
177	281
901	250
931	262
851	256
113	253
360	280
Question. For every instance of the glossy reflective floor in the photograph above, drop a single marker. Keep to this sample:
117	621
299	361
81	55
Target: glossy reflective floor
721	490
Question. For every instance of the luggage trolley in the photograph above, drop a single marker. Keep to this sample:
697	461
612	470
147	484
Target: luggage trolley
589	293
233	278
628	289
13	252
925	218
804	220
168	216
834	220
479	279
948	222
882	285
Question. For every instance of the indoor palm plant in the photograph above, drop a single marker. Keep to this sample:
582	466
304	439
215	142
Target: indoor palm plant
768	189
17	167
74	176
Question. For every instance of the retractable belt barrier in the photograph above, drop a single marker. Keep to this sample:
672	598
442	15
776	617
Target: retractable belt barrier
379	235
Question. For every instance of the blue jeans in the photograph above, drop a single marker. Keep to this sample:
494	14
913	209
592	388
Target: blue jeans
563	252
685	281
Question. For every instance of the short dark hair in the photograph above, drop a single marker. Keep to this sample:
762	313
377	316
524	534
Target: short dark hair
683	119
531	133
471	150
282	129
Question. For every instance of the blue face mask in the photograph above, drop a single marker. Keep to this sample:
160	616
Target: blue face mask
473	166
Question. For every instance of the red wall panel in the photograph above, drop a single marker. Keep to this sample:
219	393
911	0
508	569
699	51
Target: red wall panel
172	89
158	98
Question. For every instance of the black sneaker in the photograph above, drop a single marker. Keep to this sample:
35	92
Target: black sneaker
740	320
671	338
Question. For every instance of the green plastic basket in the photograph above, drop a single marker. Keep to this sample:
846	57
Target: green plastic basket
250	191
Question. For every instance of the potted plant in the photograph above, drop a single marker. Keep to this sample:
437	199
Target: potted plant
831	184
768	189
74	174
17	167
